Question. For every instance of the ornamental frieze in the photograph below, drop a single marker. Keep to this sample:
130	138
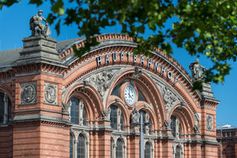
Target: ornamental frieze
50	93
28	93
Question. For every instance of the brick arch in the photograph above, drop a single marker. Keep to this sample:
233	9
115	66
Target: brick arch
146	107
150	92
114	100
90	96
5	89
185	115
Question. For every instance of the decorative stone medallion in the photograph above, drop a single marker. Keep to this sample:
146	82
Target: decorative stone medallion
209	120
28	93
50	93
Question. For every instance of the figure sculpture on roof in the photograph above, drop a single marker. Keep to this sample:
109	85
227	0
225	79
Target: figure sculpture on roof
198	71
37	27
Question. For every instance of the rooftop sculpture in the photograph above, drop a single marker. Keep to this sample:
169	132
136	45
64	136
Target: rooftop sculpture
37	26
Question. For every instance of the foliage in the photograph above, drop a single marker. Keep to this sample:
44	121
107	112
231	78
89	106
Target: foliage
207	27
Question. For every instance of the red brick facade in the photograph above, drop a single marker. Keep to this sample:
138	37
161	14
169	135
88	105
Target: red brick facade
43	79
227	137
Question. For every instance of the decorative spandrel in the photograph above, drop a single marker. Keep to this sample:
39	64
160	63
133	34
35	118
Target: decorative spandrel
39	25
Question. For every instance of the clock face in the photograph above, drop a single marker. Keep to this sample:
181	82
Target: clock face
130	94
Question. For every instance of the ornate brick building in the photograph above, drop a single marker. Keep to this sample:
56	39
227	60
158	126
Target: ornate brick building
227	137
54	104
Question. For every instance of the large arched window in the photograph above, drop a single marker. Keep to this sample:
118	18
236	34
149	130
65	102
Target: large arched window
81	146
116	118
147	150
119	148
5	108
78	113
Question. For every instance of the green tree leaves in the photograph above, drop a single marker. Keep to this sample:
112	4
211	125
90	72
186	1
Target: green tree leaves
201	27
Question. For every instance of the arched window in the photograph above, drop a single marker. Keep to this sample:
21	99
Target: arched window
113	116
78	113
81	147
74	110
5	108
178	151
116	118
119	148
175	126
147	150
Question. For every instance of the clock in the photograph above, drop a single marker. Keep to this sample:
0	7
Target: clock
130	94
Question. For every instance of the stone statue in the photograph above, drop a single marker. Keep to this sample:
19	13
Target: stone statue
106	114
197	70
37	27
135	117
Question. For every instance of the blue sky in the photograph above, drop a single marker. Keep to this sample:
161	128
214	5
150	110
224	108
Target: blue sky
14	26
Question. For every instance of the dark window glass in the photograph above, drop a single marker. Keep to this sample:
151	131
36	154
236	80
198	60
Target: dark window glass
74	113
173	125
113	116
121	121
81	147
1	107
71	146
178	152
84	117
147	150
119	148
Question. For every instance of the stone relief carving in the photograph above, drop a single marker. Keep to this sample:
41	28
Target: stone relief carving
50	93
28	93
209	122
169	97
135	117
197	122
106	114
102	80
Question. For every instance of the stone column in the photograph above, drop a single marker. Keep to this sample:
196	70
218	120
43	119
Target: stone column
119	119
81	110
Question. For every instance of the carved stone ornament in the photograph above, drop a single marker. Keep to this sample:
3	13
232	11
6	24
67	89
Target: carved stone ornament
102	80
135	117
197	122
209	122
169	97
28	93
106	114
50	93
37	27
198	71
